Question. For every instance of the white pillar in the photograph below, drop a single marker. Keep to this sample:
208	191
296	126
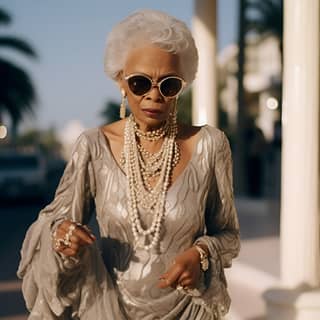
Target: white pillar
204	94
299	295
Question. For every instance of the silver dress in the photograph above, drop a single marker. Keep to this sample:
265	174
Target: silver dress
115	280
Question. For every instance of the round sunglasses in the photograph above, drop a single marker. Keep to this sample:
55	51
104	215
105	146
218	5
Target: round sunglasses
169	87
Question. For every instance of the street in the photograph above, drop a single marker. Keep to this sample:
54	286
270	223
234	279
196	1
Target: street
15	219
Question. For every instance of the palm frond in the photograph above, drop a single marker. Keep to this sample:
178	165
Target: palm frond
265	16
4	17
17	94
110	112
18	45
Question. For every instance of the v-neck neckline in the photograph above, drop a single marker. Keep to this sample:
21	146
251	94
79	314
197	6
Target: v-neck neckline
199	137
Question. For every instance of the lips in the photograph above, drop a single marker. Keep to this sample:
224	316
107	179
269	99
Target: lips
152	112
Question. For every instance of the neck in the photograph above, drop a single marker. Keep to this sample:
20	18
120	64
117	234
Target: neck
147	127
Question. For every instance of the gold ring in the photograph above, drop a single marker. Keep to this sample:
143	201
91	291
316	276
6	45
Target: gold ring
68	235
58	243
71	228
66	239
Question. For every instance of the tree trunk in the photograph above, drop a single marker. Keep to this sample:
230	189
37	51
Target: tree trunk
240	143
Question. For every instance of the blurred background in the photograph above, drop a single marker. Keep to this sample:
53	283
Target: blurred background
52	87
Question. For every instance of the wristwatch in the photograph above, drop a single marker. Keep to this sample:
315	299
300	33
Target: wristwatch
204	261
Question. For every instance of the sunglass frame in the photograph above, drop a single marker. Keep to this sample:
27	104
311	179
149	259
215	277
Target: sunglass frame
156	84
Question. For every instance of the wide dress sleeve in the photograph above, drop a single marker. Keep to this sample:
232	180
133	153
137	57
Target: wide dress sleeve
52	288
221	235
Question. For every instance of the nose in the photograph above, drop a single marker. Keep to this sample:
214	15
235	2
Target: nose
154	94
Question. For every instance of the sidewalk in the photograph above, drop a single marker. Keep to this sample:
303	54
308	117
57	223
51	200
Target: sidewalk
258	266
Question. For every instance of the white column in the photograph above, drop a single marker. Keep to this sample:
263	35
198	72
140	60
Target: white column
299	295
204	94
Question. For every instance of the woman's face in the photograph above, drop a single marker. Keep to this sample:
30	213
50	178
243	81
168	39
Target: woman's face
150	109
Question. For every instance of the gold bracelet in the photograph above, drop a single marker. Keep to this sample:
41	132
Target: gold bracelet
204	261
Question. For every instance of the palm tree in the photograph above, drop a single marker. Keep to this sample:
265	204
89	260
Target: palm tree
266	17
17	93
110	112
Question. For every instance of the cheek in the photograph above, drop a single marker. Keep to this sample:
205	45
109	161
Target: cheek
133	102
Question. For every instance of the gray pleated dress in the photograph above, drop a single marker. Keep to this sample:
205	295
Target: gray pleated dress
115	280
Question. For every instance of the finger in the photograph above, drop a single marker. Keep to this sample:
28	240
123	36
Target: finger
80	231
171	276
65	225
184	276
70	252
188	282
74	246
87	230
77	240
59	234
83	235
163	283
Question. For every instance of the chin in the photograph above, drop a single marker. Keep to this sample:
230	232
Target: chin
152	119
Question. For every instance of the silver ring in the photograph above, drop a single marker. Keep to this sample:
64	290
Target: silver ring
179	287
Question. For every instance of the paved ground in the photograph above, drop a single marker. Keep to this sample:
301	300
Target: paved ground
256	268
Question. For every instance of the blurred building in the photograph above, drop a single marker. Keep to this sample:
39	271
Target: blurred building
297	294
262	83
68	136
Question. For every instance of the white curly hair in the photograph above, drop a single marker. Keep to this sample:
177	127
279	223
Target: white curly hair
151	27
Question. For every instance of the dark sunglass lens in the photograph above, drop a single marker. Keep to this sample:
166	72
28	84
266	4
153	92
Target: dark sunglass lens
171	86
139	85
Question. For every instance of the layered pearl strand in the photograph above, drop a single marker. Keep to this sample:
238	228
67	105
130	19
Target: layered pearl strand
152	135
151	163
140	166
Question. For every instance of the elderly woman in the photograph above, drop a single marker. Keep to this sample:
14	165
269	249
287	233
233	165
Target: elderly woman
162	192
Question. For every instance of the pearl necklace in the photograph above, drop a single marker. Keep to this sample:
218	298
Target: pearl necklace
152	135
151	163
139	171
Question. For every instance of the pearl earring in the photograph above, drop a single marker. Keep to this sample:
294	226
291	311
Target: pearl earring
174	110
123	104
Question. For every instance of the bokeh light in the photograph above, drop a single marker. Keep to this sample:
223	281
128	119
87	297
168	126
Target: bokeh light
3	131
272	103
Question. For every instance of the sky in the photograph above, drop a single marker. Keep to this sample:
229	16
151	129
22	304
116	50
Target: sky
69	38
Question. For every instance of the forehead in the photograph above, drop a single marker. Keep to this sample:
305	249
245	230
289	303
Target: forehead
153	61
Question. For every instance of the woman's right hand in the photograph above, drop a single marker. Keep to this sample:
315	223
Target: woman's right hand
69	237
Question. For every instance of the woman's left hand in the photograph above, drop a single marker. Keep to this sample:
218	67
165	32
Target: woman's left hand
185	271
